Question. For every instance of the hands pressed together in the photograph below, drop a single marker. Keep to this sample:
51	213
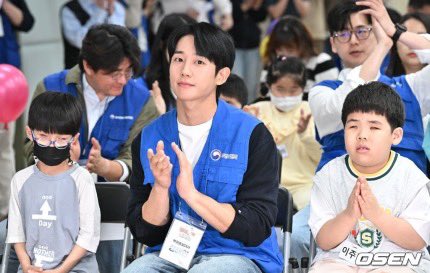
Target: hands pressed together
362	202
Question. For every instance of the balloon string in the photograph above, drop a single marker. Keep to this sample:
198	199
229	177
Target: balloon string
5	126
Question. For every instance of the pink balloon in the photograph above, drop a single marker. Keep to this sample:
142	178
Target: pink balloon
13	93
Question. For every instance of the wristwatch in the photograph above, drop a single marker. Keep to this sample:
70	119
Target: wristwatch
399	30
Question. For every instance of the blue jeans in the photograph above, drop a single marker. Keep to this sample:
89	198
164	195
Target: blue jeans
223	263
300	238
109	256
247	66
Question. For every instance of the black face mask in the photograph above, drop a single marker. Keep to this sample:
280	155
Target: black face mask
51	156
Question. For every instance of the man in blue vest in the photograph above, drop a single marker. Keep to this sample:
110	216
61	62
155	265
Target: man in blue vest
117	107
362	41
205	170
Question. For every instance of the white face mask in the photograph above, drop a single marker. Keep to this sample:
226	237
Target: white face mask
286	104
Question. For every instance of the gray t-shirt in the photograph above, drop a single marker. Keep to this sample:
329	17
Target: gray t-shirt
53	213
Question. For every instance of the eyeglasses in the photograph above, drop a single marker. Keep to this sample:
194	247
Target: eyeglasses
117	74
362	33
45	141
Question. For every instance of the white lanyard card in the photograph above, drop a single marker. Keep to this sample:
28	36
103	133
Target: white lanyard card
182	240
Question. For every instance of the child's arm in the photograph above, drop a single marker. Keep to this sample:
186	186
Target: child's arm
72	259
396	229
24	259
306	132
336	230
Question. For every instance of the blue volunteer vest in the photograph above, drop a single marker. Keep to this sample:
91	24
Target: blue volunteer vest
9	48
411	144
113	127
218	174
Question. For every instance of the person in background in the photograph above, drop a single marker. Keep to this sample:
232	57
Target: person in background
422	6
78	16
15	16
234	91
403	60
289	120
218	12
291	38
279	8
246	35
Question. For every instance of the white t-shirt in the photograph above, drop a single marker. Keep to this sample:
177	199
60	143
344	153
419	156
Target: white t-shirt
400	188
193	139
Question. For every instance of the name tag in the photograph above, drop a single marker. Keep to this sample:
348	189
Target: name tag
349	252
182	240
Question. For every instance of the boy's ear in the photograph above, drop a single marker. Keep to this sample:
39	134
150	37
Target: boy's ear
28	133
222	75
333	47
397	135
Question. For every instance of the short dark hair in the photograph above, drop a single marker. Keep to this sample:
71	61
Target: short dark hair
105	46
418	4
340	15
55	112
378	98
284	66
290	32
210	42
235	87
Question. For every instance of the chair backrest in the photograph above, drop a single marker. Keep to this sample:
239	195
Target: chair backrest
284	218
113	200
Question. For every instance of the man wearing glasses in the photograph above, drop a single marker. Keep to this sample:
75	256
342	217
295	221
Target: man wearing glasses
116	108
362	34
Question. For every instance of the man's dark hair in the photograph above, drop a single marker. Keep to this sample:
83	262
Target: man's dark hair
284	66
378	98
418	4
105	46
55	112
234	87
339	17
210	42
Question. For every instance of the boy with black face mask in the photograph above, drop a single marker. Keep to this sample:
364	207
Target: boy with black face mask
54	216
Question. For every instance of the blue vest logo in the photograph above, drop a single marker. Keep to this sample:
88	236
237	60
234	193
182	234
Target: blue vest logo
216	155
112	116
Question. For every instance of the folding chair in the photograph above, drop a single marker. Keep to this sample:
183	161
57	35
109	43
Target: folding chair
312	249
5	258
113	199
285	221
